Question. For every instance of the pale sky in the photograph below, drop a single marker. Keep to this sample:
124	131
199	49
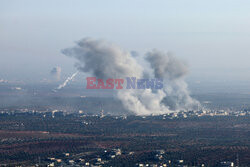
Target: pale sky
212	36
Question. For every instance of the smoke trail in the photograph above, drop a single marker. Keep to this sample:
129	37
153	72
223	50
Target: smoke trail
105	60
66	81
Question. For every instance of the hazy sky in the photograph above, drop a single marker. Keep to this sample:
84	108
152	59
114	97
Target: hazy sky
212	36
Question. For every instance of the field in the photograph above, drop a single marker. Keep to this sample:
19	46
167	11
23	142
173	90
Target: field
32	138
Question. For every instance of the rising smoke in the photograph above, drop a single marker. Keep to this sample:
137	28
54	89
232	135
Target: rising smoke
173	72
56	72
106	60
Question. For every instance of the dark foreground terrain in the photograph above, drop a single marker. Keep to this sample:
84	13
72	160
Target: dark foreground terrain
80	140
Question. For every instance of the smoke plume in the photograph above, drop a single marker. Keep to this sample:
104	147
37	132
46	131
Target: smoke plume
56	72
173	72
106	60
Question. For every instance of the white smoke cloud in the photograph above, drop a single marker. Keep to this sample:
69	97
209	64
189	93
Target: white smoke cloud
143	102
106	60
